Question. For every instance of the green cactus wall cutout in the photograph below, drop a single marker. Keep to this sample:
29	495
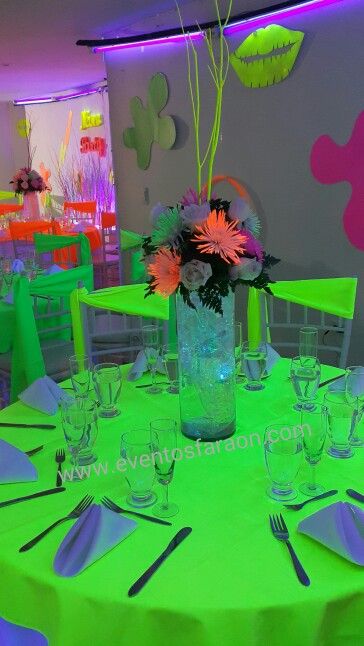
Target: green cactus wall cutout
148	125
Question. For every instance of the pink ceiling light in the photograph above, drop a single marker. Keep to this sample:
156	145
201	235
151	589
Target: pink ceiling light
295	10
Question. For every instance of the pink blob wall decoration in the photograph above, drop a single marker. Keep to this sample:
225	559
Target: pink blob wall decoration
332	163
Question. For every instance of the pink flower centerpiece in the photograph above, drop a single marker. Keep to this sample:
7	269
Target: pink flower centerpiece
27	180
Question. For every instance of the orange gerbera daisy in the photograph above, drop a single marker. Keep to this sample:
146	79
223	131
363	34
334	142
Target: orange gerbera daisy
166	271
217	235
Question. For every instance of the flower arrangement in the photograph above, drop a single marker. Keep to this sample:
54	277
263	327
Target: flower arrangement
28	181
208	248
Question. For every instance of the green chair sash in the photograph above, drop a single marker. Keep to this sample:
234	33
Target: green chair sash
129	240
44	242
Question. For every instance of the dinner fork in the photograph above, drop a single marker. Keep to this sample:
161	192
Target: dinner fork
280	531
60	458
119	510
75	513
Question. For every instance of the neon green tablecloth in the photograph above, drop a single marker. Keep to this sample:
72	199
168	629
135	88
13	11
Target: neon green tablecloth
229	584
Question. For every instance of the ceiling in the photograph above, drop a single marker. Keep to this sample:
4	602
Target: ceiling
38	54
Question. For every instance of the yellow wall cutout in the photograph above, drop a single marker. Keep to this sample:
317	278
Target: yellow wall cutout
89	120
23	128
267	56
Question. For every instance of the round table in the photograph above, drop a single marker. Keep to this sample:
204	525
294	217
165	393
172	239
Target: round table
230	582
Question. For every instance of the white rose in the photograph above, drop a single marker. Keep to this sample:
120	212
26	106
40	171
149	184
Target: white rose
195	273
247	269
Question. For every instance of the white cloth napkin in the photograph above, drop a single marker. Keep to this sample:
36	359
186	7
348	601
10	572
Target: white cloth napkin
94	534
140	365
9	298
357	384
43	395
272	357
18	266
53	269
340	527
14	635
15	465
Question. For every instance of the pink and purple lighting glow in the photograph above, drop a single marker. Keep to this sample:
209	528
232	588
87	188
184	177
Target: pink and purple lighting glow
298	9
60	97
153	41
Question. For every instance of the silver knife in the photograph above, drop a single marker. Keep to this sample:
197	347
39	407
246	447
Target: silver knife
144	578
39	494
329	381
18	425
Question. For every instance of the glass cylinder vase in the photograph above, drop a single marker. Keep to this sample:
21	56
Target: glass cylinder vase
31	209
206	369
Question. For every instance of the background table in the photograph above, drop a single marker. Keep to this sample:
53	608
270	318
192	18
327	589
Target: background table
230	582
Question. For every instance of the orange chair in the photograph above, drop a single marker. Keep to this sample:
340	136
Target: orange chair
84	211
21	234
10	208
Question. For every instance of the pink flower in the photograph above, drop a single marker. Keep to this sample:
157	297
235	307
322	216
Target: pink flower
35	183
24	185
252	246
247	269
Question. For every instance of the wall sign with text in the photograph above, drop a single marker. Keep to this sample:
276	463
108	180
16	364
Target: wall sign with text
89	120
96	145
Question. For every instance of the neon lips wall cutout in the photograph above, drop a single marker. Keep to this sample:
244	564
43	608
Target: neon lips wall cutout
267	56
332	163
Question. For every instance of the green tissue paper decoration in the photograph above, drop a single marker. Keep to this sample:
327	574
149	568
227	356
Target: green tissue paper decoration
148	125
267	56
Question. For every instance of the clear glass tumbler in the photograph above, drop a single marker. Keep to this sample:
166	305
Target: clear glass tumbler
80	368
74	428
305	377
283	456
354	384
107	382
342	418
137	449
152	349
254	364
308	342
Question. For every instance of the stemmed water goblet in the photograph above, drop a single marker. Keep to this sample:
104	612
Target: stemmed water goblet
314	428
164	434
74	424
305	377
238	352
308	341
170	362
152	349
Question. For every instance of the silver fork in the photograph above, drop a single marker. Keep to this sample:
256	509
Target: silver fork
60	458
75	513
280	531
119	510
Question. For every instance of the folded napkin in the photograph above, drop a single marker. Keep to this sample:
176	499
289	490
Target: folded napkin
340	527
18	266
43	395
140	365
13	635
15	465
80	227
272	357
357	384
53	269
9	298
94	534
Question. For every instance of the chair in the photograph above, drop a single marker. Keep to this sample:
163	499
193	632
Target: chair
107	324
22	235
43	327
83	211
106	259
131	242
7	209
327	304
67	251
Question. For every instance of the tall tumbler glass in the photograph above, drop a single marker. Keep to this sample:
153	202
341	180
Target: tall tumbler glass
342	418
107	381
254	364
74	428
80	374
354	384
87	454
305	378
170	362
308	342
239	378
314	428
137	450
283	456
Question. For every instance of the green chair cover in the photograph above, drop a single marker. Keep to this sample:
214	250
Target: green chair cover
44	242
138	270
127	299
332	295
27	360
129	240
7	195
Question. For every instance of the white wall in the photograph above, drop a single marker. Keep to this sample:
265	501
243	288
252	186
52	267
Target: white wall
13	153
266	138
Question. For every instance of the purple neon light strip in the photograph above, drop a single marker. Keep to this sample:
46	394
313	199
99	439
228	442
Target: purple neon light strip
59	97
145	43
302	7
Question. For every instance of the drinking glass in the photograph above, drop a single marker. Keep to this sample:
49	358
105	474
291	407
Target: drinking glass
107	381
150	335
80	366
342	418
137	448
314	428
74	428
164	432
254	364
238	352
305	377
86	454
170	361
283	456
354	384
308	342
